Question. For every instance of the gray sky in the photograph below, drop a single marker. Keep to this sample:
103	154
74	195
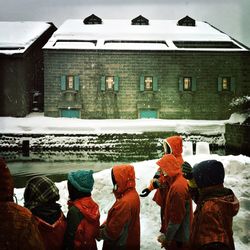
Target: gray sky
230	16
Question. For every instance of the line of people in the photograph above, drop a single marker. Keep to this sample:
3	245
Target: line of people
41	224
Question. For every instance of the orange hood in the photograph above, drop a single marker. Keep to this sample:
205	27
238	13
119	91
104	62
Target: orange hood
175	143
169	165
125	178
6	182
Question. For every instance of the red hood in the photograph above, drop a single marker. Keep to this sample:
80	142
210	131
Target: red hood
6	182
175	143
88	208
124	177
169	165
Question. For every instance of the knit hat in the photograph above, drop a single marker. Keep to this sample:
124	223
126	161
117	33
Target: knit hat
208	173
40	190
82	180
6	182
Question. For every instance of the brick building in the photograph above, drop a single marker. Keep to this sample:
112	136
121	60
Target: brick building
140	68
21	66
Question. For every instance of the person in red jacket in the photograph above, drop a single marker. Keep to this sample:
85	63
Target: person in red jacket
177	213
121	231
40	196
173	151
83	215
216	206
18	228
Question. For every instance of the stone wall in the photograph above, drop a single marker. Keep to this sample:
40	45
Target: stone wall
237	138
170	103
93	147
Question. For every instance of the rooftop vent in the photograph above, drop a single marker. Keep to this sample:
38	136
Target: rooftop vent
205	45
92	19
140	20
186	21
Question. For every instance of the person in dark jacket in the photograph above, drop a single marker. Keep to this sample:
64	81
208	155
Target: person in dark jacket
18	228
216	206
83	215
121	230
40	197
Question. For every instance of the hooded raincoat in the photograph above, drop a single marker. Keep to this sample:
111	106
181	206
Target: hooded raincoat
84	224
121	230
213	217
18	228
173	157
177	213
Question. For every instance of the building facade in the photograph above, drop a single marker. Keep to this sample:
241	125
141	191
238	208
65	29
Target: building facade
21	66
129	69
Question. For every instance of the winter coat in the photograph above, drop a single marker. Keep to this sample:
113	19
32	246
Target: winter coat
18	228
52	234
121	230
175	144
177	214
82	224
213	219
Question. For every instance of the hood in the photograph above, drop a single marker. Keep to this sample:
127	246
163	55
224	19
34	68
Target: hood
175	144
88	208
223	196
169	165
6	182
124	176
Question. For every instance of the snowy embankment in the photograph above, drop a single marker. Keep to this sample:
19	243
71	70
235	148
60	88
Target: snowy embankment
237	178
37	123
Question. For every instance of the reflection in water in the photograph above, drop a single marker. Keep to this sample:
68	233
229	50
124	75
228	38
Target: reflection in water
57	171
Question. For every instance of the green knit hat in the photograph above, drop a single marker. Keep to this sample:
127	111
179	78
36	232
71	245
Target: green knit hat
82	180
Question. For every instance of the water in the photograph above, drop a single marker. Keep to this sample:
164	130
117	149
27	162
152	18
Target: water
22	171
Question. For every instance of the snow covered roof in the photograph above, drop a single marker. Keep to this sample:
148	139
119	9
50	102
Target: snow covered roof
120	34
16	37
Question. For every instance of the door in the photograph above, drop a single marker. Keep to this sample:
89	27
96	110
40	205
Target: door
70	113
148	113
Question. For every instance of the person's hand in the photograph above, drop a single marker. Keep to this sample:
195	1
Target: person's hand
187	170
162	239
145	192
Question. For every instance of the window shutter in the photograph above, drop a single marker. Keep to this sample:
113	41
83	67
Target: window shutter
193	84
116	85
181	84
76	83
63	83
219	84
232	86
103	83
142	83
155	84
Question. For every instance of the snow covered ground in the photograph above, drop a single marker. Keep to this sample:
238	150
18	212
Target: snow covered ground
237	167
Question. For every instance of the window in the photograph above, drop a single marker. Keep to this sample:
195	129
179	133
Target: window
148	83
226	83
70	82
187	84
110	83
140	20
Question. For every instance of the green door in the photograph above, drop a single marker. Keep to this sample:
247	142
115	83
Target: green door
70	113
148	113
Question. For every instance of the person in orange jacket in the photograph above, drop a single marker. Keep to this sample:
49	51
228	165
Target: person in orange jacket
40	196
216	206
83	215
121	231
18	228
173	149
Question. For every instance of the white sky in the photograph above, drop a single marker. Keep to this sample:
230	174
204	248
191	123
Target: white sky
230	16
